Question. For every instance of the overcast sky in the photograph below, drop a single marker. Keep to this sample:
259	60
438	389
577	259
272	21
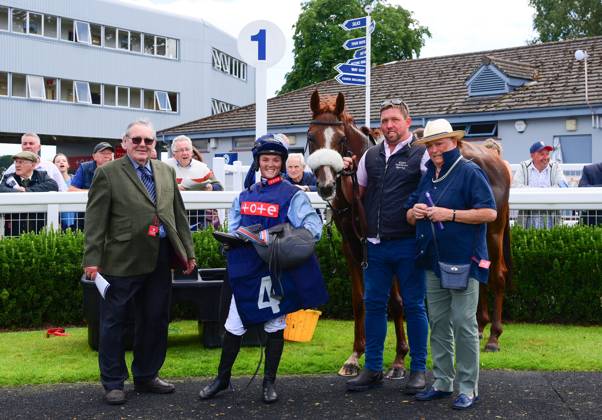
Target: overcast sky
456	26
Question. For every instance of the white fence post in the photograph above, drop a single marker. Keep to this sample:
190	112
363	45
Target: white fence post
52	218
219	169
237	176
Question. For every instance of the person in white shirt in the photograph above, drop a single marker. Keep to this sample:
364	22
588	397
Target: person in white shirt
191	174
539	172
30	142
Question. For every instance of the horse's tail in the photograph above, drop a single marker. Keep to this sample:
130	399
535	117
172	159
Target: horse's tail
507	249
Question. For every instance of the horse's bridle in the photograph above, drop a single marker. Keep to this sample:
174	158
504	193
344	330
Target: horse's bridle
342	143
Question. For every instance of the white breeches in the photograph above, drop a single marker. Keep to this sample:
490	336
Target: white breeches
234	323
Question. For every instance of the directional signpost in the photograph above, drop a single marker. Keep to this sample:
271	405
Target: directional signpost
356	71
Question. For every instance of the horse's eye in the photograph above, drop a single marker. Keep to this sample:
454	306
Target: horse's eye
343	140
310	138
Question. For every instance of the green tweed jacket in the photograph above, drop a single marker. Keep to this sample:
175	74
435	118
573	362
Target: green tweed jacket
119	213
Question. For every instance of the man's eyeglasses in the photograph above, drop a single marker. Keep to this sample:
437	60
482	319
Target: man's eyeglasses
147	140
396	102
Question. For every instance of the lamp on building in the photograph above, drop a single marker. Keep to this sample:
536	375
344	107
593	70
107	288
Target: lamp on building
582	55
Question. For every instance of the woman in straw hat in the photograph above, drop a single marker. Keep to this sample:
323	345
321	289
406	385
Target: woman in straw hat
451	209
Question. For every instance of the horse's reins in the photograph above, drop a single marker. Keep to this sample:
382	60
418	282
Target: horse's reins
358	228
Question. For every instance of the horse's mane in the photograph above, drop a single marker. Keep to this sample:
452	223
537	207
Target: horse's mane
328	104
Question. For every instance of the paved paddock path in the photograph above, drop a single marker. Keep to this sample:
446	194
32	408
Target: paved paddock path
505	395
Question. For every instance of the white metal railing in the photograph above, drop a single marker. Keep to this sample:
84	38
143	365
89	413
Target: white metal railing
52	204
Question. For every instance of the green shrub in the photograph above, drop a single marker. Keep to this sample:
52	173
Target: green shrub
557	276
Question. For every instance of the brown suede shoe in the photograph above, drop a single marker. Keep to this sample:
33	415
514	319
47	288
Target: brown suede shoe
115	397
154	386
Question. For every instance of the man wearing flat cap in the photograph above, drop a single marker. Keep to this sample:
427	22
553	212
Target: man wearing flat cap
26	178
539	172
101	154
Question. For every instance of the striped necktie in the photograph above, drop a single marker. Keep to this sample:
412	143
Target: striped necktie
147	180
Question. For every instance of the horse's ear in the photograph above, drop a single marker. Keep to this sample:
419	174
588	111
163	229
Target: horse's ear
315	102
340	105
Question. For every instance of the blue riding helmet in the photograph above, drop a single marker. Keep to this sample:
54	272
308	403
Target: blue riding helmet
268	144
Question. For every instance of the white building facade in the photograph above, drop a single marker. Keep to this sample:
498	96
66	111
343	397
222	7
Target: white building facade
77	72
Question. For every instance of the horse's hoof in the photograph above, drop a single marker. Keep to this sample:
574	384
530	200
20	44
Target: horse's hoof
395	373
491	347
349	369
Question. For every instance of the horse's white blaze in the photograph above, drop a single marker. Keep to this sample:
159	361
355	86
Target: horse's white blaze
325	157
328	136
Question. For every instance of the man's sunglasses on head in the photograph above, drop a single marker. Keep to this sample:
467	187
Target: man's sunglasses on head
393	102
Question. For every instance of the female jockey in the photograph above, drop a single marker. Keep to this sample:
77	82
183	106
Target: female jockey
255	300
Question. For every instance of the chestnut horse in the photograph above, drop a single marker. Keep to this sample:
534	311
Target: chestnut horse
331	136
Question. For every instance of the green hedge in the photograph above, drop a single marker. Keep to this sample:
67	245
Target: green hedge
557	276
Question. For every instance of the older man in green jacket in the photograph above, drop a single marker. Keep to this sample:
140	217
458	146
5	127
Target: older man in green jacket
135	228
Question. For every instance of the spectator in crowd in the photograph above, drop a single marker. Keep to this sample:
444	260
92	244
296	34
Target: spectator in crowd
136	227
192	174
296	174
451	209
30	142
495	145
591	177
26	178
539	172
62	163
154	153
391	245
101	154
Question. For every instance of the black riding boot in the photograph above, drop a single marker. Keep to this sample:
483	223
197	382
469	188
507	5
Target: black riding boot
273	352
230	348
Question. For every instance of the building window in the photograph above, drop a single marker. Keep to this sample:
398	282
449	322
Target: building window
123	96
34	23
50	26
228	64
50	86
134	98
96	33
243	143
149	99
35	87
202	145
19	21
3	84
218	106
19	87
109	99
82	93
95	95
160	46
163	103
66	29
575	149
3	18
172	48
123	39
149	44
110	37
173	100
135	42
67	90
82	32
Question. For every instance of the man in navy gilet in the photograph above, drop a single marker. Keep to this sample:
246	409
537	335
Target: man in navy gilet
255	300
387	174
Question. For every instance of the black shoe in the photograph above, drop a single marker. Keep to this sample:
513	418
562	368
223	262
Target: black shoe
269	392
218	385
115	397
367	379
416	383
154	386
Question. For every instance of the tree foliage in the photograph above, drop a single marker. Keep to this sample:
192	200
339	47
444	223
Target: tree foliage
557	20
319	38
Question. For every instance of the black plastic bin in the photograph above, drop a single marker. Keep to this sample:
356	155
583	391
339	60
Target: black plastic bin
206	289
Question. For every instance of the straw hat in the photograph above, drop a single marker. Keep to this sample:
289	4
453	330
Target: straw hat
437	130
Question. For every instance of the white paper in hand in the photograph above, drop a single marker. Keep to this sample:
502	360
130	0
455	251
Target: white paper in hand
102	285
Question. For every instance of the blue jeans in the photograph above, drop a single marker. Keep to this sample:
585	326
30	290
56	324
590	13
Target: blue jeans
385	260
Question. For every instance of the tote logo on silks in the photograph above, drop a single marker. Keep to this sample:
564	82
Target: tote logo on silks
257	208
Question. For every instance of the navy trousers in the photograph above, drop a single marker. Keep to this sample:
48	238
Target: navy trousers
384	260
151	294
